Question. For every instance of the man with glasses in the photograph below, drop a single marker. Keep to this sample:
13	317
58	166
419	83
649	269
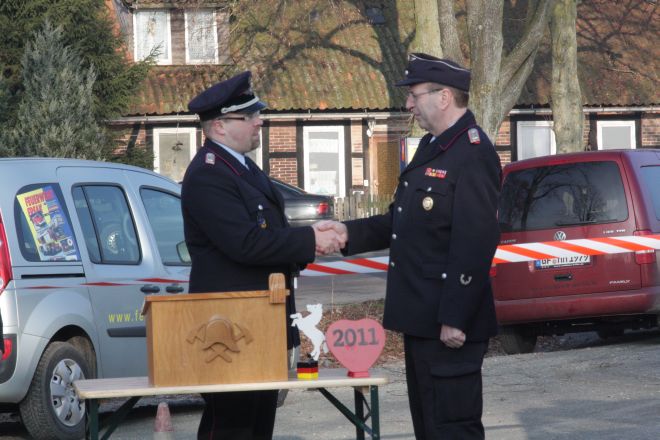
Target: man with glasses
237	235
442	232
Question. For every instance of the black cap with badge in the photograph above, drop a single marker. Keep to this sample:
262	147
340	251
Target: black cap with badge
426	68
233	95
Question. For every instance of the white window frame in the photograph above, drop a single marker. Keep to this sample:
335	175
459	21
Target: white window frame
181	131
168	31
600	124
342	165
213	60
537	123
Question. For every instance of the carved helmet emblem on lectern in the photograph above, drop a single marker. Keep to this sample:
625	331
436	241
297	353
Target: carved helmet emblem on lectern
218	336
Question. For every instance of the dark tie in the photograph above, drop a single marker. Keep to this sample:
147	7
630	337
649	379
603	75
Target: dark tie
260	177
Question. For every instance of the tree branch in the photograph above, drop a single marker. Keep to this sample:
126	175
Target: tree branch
529	42
451	45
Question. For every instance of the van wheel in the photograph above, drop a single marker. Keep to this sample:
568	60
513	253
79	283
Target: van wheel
51	409
516	340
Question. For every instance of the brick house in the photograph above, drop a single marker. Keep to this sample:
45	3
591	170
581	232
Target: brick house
335	123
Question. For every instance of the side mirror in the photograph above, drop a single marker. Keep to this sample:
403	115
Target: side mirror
182	251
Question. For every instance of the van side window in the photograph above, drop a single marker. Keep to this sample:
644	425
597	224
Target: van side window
569	194
164	213
44	225
651	176
107	224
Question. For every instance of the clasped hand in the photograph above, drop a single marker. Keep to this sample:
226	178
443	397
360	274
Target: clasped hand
330	236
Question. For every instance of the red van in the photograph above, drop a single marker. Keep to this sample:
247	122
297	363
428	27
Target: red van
586	195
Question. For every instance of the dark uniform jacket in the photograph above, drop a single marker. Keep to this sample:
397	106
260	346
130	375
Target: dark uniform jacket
442	232
236	231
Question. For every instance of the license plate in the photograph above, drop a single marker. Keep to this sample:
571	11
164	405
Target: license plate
549	263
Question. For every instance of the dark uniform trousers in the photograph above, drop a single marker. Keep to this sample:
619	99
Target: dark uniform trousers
444	389
238	416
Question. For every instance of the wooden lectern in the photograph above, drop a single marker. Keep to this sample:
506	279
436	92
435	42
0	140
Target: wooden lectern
217	338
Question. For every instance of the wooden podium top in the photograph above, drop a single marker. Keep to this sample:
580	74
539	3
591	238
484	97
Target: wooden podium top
277	292
139	386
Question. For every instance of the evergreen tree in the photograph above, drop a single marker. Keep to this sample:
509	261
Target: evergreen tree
88	29
55	114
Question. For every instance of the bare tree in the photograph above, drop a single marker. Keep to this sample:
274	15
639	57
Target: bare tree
566	95
426	16
497	77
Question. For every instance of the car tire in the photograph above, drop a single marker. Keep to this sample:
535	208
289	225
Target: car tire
516	340
48	415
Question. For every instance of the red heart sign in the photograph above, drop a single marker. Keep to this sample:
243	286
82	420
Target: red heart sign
356	344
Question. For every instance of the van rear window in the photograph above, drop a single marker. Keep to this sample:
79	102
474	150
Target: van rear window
651	179
563	195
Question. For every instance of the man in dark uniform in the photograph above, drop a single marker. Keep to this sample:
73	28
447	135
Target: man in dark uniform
442	232
237	235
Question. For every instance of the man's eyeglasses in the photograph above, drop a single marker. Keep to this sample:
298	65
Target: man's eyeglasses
247	117
414	96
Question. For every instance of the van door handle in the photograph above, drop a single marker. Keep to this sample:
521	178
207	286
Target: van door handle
564	277
150	288
174	288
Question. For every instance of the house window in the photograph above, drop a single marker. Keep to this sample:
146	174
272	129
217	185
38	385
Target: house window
201	37
152	32
535	138
324	160
174	148
615	134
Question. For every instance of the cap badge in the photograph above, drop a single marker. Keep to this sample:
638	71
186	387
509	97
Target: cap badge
427	203
432	172
210	158
473	135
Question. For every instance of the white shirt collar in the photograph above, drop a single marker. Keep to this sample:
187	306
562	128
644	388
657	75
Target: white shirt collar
239	157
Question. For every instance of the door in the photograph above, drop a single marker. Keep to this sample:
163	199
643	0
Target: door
122	261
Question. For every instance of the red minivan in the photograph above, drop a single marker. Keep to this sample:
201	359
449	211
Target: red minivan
610	193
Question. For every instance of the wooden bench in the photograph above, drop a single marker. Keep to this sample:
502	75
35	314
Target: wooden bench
133	388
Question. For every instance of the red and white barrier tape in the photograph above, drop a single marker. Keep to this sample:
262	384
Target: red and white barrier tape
509	253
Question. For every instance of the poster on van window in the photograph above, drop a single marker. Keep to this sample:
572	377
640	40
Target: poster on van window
49	226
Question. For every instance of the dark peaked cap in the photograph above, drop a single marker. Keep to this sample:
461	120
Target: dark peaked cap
233	95
426	68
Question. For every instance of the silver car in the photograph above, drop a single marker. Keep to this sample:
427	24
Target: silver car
81	244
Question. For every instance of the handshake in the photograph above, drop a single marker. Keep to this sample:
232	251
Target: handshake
330	236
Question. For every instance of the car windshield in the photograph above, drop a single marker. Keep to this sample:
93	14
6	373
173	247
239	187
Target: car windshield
562	195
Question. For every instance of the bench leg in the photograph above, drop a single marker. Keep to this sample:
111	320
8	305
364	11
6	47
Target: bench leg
92	419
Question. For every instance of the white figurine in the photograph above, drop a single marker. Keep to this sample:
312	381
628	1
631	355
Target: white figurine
308	324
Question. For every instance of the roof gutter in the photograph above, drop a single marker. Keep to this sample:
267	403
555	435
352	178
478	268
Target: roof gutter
548	111
332	116
163	119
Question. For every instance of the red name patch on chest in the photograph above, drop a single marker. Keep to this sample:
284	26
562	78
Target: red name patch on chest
432	172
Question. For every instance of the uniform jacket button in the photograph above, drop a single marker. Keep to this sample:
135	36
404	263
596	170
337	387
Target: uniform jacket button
392	264
399	209
393	236
405	183
443	276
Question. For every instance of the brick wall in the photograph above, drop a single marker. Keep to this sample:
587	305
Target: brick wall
282	137
285	169
505	157
356	136
504	134
651	130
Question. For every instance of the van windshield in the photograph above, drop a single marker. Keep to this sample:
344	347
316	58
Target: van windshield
651	176
562	195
